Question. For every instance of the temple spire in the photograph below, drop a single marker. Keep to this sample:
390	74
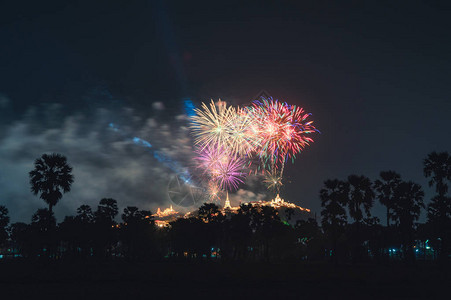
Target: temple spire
227	202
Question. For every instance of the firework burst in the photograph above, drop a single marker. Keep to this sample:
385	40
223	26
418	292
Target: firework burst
210	124
213	192
222	168
273	181
262	137
282	130
241	138
229	172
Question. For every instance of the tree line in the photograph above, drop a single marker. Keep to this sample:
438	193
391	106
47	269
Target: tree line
346	232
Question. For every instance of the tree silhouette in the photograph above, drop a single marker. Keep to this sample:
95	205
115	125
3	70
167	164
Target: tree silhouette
41	242
186	238
104	237
85	214
130	214
385	189
360	198
209	212
106	211
71	234
360	194
4	220
85	219
137	232
333	200
239	232
265	220
51	177
309	236
406	210
212	227
437	167
21	238
289	212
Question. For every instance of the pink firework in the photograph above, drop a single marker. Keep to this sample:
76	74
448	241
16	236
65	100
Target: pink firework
228	173
282	130
222	168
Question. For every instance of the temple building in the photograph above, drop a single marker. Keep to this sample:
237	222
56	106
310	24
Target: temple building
227	202
167	212
277	203
164	217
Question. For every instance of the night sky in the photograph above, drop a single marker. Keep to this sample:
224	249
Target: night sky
376	78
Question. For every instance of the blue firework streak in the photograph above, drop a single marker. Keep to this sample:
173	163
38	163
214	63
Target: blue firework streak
158	155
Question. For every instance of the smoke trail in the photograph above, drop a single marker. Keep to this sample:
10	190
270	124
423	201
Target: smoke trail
158	155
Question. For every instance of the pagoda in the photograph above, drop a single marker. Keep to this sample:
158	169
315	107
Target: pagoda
227	202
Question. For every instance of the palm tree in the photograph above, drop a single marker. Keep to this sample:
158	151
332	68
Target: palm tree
105	228
333	200
106	211
4	220
85	222
360	194
438	167
85	214
360	197
406	210
385	189
51	177
43	240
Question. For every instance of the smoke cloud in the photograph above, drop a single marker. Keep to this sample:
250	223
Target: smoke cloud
132	161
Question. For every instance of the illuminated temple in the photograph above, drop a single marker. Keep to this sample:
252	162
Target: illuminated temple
277	203
280	203
164	217
167	212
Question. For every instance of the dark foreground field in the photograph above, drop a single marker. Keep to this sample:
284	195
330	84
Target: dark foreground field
130	280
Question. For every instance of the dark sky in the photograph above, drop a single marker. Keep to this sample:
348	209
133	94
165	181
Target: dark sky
375	76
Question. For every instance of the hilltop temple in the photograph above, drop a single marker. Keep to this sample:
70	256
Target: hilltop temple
167	212
280	203
164	217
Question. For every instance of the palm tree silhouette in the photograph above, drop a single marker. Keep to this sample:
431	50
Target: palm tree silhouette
51	177
4	220
406	210
385	189
437	166
333	215
360	194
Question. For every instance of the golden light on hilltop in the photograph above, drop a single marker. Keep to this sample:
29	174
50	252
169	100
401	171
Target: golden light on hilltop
167	212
